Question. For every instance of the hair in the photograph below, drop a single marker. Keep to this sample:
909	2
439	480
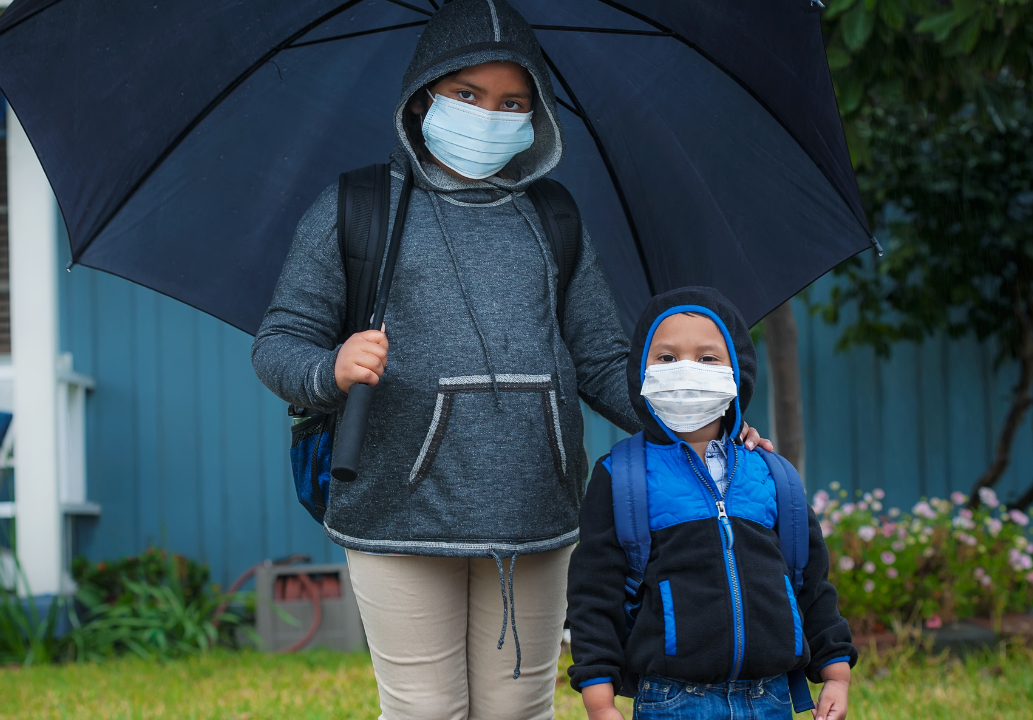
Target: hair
413	123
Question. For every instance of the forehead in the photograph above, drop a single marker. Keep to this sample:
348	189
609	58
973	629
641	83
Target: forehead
688	331
498	72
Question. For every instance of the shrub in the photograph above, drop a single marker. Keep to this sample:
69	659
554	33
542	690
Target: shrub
154	605
938	563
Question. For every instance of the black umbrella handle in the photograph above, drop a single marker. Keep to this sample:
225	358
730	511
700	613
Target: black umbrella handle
351	431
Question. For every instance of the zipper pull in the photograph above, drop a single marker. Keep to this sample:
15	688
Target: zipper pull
726	524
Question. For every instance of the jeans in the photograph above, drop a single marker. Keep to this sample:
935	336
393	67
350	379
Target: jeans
665	699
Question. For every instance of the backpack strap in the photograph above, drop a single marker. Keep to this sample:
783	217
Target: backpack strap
631	515
363	207
794	539
562	222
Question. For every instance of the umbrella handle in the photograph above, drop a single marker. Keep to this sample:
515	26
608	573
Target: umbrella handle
351	431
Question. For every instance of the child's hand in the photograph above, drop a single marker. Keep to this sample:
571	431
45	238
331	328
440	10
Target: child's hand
832	701
598	701
362	359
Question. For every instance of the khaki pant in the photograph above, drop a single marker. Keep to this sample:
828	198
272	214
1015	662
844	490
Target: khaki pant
433	624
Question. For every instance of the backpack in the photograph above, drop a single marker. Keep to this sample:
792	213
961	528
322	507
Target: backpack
631	521
363	206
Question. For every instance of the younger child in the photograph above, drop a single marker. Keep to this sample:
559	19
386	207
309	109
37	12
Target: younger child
719	626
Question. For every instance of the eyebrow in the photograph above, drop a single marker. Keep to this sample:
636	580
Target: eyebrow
476	88
712	347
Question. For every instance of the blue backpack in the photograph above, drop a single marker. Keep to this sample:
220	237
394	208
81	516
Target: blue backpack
631	520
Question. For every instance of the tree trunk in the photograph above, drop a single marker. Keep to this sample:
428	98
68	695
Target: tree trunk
1020	402
780	336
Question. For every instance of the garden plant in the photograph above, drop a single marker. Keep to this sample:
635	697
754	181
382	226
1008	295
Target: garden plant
939	563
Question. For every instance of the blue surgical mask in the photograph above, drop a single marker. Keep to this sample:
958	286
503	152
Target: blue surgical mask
475	143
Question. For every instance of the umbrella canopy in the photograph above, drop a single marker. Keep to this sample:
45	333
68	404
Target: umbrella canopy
185	139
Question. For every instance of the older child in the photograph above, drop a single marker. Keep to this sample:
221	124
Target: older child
474	449
719	625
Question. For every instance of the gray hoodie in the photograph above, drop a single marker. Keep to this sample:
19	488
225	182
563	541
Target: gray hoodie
474	446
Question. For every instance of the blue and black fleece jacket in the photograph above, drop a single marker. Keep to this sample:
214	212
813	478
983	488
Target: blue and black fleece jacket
716	605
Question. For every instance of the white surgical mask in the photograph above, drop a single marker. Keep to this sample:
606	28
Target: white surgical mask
687	395
475	143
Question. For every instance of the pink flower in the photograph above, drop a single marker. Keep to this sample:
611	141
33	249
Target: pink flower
879	494
826	528
868	586
979	572
894	512
963	522
846	563
869	567
1029	577
821	501
866	533
836	517
934	623
988	497
970	541
994	526
876	506
849	508
888	558
862	506
892	573
1018	517
986	581
888	528
928	552
959	498
924	509
965	513
898	545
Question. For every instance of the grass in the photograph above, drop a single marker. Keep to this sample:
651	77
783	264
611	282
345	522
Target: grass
320	685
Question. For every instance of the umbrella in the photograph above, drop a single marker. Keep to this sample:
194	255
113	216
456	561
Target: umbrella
185	139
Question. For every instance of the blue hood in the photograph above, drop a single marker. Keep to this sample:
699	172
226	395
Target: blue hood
705	301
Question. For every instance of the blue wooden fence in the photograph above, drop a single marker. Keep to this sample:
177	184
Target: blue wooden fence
188	450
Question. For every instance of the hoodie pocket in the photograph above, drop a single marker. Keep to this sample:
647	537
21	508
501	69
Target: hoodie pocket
528	398
797	622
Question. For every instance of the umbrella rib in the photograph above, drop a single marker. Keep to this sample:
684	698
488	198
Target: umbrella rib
605	31
360	33
421	11
31	15
580	112
564	103
209	108
735	78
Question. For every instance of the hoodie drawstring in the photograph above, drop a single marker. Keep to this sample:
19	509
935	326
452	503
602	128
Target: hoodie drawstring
508	608
546	252
466	298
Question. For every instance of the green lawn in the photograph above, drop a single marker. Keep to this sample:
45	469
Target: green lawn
321	685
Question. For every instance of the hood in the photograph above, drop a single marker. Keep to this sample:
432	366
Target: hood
705	301
470	32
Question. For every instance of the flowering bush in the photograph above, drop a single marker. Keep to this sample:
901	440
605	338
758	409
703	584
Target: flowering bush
937	564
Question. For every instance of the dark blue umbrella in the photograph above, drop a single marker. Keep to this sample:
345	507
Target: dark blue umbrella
185	139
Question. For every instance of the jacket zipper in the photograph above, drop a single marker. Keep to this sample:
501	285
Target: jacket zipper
727	543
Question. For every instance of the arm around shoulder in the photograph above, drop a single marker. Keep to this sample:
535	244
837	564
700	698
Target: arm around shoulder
596	341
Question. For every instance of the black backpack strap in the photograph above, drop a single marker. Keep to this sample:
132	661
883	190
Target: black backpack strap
562	222
363	207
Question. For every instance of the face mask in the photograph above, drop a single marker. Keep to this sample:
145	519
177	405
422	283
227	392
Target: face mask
687	395
475	143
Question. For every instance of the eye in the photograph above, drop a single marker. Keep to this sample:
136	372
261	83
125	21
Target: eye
709	359
667	358
465	95
511	105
